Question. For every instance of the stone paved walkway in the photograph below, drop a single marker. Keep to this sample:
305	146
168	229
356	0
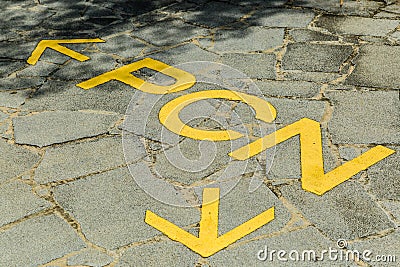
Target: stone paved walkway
67	196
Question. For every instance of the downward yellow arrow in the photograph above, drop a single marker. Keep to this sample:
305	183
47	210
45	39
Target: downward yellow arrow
208	242
55	44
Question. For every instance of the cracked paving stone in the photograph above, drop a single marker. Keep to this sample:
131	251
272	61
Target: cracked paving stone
318	77
110	208
169	32
305	35
164	253
286	88
356	25
215	14
394	209
3	115
386	245
282	17
75	70
124	46
365	117
90	257
240	205
14	160
14	99
361	7
53	127
20	83
315	57
262	67
384	177
376	66
345	212
247	254
41	69
18	201
37	241
74	160
247	40
7	67
17	50
113	96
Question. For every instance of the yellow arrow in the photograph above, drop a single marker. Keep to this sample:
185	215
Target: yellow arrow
55	44
208	242
313	179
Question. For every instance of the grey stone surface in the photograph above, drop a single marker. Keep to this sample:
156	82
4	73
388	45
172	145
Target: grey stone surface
10	83
14	160
247	40
3	116
38	241
315	57
262	65
18	201
286	88
305	35
158	254
40	69
345	212
393	207
376	66
74	160
384	177
380	246
9	66
112	96
13	99
90	257
111	209
356	25
48	128
282	17
300	240
124	46
169	32
318	77
364	117
361	8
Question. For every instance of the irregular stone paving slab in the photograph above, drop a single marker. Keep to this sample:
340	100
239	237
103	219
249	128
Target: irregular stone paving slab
90	257
8	66
394	209
356	25
365	117
169	32
240	205
305	35
3	115
361	8
263	65
110	208
75	70
74	160
14	160
20	83
247	254
345	212
215	14
376	66
53	127
18	201
124	46
286	88
386	246
41	69
384	177
17	50
282	17
13	99
246	40
315	57
165	253
318	77
113	96
38	241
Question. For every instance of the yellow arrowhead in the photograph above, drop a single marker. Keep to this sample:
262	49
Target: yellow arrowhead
313	179
55	45
208	242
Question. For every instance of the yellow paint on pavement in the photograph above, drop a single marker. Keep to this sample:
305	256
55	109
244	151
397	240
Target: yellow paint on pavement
169	113
184	80
208	242
55	45
313	179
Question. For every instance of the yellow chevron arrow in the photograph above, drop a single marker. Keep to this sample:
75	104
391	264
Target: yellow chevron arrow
55	45
208	242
